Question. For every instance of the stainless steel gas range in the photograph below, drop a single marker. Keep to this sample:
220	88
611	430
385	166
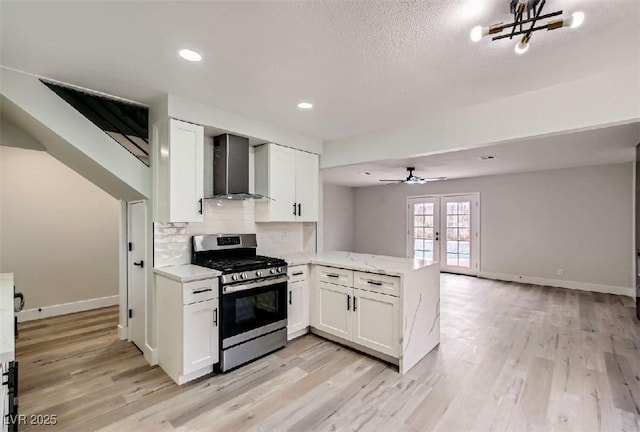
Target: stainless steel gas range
253	291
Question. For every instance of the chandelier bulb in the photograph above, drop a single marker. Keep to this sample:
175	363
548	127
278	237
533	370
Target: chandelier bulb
521	48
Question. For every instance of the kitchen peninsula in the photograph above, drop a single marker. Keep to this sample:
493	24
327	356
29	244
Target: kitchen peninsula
388	307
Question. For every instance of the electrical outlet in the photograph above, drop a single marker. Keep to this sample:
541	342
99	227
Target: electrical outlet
560	272
284	233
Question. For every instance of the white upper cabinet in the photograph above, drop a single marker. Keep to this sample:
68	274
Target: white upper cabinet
290	178
178	171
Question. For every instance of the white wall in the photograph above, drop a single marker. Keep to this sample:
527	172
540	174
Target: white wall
58	231
337	217
577	219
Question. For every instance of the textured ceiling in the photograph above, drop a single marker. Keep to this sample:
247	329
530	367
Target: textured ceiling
615	144
365	65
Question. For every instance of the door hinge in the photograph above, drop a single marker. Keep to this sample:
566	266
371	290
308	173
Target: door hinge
130	246
130	313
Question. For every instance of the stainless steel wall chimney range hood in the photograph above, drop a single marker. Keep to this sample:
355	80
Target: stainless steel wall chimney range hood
231	168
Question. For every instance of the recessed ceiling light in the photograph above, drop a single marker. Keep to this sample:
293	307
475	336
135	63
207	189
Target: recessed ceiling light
305	105
190	55
487	157
365	173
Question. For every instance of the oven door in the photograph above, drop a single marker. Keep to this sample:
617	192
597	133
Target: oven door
253	309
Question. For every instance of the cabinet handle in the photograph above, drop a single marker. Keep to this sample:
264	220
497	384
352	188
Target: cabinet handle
297	273
215	317
355	303
139	264
299	209
200	206
201	290
294	209
290	298
374	283
333	275
348	302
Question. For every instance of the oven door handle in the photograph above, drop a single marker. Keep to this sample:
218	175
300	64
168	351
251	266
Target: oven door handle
252	285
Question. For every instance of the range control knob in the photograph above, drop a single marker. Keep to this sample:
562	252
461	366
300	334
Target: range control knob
234	277
243	276
279	269
258	273
272	271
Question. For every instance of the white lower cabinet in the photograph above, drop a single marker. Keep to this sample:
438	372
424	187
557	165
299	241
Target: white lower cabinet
375	321
333	315
297	302
200	336
188	317
366	318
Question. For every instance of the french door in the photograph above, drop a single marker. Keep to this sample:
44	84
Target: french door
445	228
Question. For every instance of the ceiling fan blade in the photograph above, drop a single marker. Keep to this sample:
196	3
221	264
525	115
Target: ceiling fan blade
396	181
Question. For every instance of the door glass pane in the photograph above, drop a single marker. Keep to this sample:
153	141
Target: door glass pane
428	208
423	230
458	216
428	221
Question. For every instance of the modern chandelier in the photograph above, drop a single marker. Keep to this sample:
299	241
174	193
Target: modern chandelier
527	17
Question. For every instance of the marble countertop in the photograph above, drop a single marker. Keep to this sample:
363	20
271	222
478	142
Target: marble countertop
187	272
7	330
393	266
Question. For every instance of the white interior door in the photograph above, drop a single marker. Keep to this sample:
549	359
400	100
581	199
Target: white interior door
460	236
136	271
423	228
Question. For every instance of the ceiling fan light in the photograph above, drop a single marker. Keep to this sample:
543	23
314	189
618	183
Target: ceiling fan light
476	33
521	48
576	20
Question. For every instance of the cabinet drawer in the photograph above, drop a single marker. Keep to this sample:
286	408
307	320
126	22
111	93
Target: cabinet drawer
198	291
377	283
298	273
335	275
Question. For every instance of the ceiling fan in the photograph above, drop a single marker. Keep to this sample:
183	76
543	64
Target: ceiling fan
412	179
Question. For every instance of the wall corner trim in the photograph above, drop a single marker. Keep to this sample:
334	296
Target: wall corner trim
575	285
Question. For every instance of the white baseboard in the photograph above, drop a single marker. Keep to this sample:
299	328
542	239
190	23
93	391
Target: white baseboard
151	355
123	332
582	286
67	308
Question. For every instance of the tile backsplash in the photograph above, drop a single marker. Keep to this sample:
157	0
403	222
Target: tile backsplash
172	240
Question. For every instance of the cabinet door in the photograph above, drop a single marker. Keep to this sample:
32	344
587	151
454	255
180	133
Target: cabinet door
186	182
376	318
200	338
334	309
282	188
294	306
307	186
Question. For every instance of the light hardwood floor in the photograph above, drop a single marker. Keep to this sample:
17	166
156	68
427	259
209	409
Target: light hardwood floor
513	357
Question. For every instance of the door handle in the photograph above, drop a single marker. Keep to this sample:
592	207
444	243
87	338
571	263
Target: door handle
215	317
200	206
355	303
299	209
294	209
290	298
139	264
348	302
297	273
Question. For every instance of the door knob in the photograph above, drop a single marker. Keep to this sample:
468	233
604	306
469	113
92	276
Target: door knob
139	264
